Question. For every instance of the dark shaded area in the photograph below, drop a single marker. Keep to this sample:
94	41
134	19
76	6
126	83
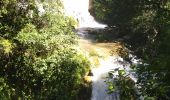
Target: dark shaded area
144	26
85	92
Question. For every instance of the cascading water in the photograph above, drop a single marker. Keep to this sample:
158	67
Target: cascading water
79	10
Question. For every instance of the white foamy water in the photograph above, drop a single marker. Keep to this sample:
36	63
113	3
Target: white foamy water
99	85
79	10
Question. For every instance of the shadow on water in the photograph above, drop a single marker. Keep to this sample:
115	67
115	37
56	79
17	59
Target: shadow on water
88	42
102	35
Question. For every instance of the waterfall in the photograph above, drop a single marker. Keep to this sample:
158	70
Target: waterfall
78	9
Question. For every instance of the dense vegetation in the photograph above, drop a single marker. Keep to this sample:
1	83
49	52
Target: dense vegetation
38	59
147	22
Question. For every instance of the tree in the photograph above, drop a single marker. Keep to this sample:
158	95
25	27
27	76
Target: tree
113	12
37	55
147	22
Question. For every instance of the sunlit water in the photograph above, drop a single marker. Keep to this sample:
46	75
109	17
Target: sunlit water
79	10
99	86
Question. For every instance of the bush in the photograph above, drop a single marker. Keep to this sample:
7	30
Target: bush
39	62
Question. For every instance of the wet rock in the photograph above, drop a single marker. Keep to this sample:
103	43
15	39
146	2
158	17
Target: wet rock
90	73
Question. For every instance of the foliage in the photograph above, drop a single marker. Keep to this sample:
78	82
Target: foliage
5	46
37	55
122	83
147	22
14	15
114	12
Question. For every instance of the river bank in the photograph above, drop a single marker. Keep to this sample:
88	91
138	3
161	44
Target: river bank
104	56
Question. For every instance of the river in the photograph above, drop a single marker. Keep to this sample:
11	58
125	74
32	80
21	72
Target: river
105	62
